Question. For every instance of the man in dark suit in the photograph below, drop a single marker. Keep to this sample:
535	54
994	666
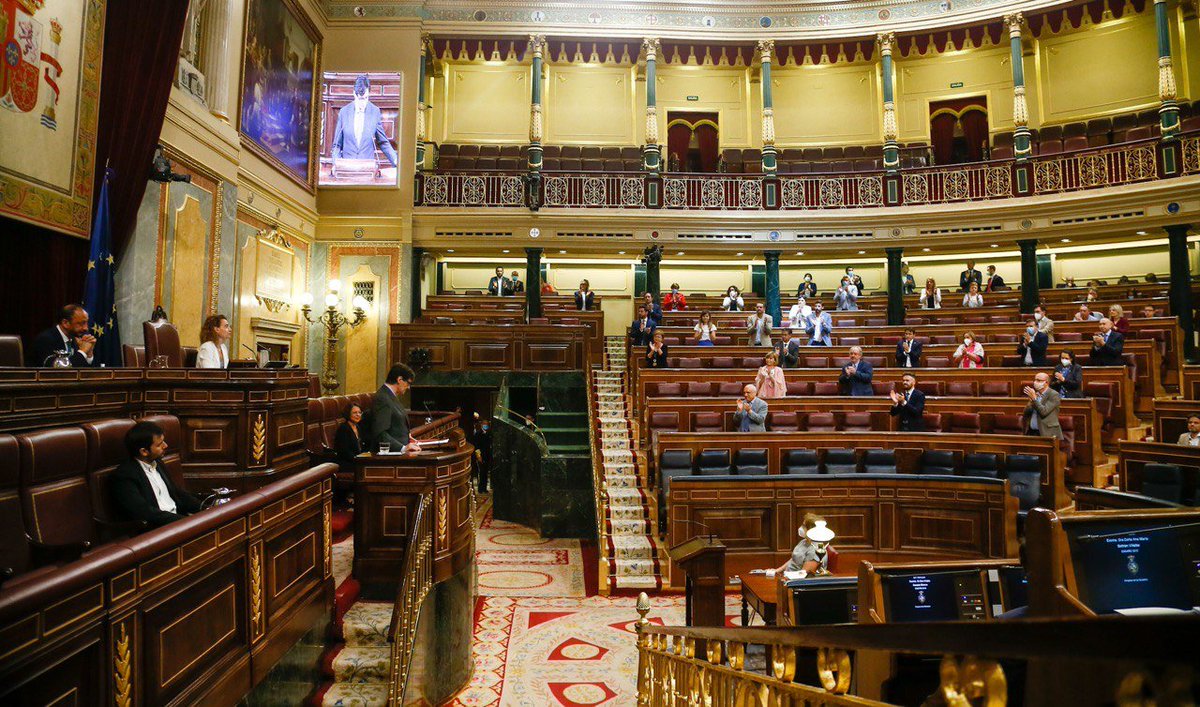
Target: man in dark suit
1033	345
909	405
908	350
141	488
389	419
1107	345
994	282
499	285
966	277
1041	414
360	128
518	285
856	377
70	335
642	329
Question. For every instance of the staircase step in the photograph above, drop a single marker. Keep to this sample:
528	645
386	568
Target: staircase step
651	581
367	624
628	527
354	694
362	664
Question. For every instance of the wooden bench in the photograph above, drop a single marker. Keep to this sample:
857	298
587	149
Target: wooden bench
593	320
501	347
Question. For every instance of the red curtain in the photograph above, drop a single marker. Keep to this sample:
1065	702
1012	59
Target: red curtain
971	112
708	138
41	272
941	137
975	128
678	136
141	48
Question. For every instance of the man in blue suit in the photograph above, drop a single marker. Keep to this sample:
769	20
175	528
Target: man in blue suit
1107	346
1033	344
360	128
817	325
909	405
856	377
908	350
641	332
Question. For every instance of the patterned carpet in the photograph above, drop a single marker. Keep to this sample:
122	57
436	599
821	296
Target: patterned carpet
514	561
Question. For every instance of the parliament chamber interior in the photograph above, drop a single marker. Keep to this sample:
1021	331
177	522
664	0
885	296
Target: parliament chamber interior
432	352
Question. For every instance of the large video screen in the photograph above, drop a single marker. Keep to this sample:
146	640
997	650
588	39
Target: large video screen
360	122
1136	564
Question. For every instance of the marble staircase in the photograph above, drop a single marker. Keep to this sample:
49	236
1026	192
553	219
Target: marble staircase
631	551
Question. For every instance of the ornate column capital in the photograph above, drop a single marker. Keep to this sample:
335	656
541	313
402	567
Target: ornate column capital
537	44
651	47
1014	22
766	50
885	40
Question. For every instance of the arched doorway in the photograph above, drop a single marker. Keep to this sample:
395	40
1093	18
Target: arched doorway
958	129
693	142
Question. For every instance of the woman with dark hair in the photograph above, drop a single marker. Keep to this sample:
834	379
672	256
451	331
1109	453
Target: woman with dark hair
808	288
348	442
1067	378
214	342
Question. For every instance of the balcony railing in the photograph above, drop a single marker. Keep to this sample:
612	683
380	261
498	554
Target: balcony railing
1093	168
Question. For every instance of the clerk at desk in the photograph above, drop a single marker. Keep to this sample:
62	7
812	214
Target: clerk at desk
804	556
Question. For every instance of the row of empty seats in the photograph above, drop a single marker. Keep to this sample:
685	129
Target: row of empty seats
55	501
1099	132
819	160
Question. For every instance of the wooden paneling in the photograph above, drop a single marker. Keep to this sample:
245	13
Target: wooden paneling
515	347
894	518
1134	456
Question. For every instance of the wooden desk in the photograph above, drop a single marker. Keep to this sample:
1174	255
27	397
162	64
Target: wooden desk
759	594
500	347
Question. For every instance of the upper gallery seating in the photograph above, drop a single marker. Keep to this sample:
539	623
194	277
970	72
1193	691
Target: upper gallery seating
1046	140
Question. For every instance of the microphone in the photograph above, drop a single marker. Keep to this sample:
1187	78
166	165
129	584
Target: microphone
711	533
252	351
428	413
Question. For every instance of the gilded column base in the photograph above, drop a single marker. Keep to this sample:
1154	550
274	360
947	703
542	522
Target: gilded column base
1168	120
1022	144
891	156
652	158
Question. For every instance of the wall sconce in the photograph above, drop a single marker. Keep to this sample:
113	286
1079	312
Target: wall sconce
334	320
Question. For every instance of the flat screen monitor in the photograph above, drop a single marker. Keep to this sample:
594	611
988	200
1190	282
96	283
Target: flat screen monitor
934	596
1008	588
824	600
1136	564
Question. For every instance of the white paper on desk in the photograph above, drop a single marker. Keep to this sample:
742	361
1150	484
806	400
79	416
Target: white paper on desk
801	574
1153	611
425	442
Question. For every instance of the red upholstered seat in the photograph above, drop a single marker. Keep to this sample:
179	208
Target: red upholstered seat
995	389
933	388
820	422
936	362
1005	424
664	420
54	490
690	363
106	450
882	387
722	362
825	388
133	356
964	422
669	390
783	421
856	421
933	421
816	361
751	362
727	388
708	422
799	388
964	389
697	389
15	554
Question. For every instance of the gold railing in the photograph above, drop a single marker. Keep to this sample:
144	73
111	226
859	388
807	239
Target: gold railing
417	578
1123	661
598	491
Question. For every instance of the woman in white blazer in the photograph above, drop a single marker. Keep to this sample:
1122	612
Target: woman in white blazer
214	343
931	296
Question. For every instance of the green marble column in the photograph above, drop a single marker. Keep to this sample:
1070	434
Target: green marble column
533	283
1022	145
651	151
1030	297
537	44
766	49
421	79
895	287
415	285
773	305
1168	115
1181	287
652	258
891	148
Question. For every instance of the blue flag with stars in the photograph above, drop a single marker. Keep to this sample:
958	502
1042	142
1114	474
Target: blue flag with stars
98	291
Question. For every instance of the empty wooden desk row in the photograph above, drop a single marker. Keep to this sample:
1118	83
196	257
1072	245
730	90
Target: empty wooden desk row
1111	387
513	347
1085	460
1142	361
242	427
1170	418
484	301
197	611
594	321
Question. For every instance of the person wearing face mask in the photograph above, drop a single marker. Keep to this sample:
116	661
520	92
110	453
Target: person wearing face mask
855	280
1044	323
674	301
846	297
807	288
518	286
1107	345
1092	295
1085	314
799	312
908	404
908	350
818	325
969	353
1067	378
733	301
804	556
1033	344
359	129
1041	414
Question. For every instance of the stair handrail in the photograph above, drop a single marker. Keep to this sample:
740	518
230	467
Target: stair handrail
529	423
416	579
675	661
601	498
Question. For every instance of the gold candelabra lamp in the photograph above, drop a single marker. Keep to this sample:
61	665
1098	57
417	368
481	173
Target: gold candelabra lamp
334	320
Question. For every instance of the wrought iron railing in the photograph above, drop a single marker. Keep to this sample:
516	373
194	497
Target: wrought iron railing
416	580
1091	168
1112	661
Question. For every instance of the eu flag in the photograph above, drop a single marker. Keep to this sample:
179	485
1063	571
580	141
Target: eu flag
98	297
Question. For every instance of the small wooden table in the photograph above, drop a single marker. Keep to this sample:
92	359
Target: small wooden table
759	593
